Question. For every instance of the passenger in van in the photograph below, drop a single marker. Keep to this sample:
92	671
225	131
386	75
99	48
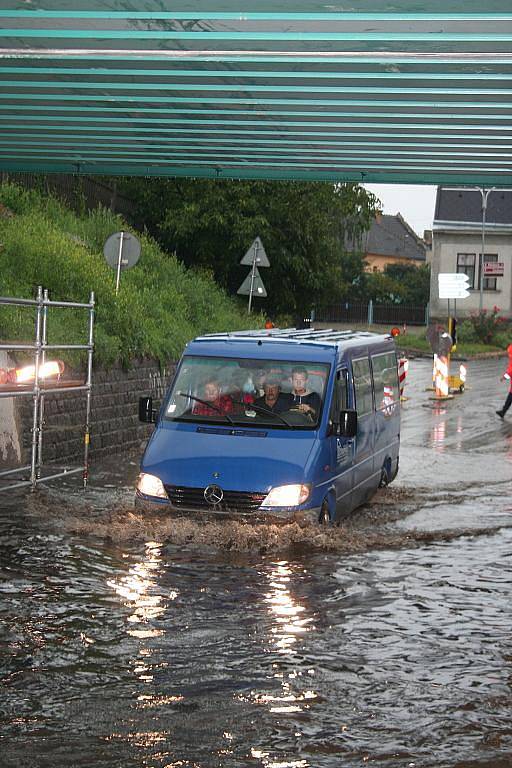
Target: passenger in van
304	399
274	400
241	392
211	393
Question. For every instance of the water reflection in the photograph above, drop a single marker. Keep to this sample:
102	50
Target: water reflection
438	432
137	589
260	754
286	613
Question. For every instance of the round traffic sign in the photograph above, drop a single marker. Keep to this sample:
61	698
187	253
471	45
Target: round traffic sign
130	251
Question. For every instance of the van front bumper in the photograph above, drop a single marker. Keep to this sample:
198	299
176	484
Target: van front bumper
261	514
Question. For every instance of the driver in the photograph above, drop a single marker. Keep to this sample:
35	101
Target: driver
303	399
211	393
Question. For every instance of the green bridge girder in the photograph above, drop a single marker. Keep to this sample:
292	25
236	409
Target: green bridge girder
403	91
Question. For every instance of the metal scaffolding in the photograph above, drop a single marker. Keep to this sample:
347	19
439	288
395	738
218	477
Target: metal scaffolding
40	389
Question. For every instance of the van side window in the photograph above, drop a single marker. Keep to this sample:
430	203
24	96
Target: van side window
340	396
362	386
385	379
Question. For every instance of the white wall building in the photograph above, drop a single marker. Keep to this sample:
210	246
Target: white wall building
457	247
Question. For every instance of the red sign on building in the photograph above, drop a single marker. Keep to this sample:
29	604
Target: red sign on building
494	268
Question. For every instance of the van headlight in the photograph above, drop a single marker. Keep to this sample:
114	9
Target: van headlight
150	485
287	496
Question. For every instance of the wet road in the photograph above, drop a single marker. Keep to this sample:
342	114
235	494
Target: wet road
129	642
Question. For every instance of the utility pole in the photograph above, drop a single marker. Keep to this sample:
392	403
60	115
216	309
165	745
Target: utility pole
485	195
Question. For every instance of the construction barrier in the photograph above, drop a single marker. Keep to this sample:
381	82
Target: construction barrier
441	383
457	383
403	367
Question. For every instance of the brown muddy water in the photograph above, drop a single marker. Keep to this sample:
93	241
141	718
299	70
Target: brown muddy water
136	641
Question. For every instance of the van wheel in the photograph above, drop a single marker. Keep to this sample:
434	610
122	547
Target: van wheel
324	518
384	478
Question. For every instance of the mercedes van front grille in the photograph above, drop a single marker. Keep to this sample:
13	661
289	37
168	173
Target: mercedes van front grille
232	501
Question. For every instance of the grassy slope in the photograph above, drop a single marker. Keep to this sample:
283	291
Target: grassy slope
160	305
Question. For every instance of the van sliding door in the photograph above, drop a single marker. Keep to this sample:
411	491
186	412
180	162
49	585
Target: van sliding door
342	448
364	444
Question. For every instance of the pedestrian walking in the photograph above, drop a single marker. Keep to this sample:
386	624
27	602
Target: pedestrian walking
508	376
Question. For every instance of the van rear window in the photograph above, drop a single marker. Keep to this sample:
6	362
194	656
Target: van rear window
243	391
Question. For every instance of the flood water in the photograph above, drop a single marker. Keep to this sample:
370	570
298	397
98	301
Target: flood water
385	642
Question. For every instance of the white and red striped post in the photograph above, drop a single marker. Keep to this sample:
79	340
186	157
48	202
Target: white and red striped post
442	387
403	367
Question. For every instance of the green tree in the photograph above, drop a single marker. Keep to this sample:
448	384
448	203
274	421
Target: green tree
211	224
400	284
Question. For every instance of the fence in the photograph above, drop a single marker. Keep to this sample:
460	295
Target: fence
368	313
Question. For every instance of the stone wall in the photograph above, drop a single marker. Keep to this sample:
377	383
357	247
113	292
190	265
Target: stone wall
115	425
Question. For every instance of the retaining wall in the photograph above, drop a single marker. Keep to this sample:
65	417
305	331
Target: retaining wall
115	425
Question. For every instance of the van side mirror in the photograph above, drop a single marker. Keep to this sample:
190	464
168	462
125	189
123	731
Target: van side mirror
348	423
147	414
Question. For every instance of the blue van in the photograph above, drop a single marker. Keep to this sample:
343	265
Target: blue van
294	424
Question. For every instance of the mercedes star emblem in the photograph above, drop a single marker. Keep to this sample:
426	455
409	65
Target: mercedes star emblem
213	494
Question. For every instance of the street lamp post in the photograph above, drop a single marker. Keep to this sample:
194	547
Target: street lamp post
485	195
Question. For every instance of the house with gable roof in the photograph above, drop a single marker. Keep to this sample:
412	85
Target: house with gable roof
390	240
457	247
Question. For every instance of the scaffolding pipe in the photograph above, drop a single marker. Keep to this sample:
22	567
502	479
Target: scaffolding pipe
44	339
35	419
5	472
38	392
88	396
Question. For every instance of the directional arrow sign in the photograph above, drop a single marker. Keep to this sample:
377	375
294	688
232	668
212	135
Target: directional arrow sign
256	250
445	278
453	285
453	292
258	289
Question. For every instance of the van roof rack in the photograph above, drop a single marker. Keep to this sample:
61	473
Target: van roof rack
310	335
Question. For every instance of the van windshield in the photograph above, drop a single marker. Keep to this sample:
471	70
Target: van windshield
281	395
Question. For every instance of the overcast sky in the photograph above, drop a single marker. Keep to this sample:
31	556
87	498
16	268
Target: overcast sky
414	202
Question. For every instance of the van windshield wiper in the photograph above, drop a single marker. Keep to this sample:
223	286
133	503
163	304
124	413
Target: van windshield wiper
261	409
209	405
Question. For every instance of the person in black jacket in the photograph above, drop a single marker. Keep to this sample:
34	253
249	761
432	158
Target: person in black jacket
304	399
274	400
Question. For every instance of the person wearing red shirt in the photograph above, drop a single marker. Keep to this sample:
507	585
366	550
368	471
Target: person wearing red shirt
507	375
211	393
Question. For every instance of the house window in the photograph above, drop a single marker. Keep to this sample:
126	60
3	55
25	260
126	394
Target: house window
466	265
489	282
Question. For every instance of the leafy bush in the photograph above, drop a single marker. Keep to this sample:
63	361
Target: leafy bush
161	305
466	332
486	325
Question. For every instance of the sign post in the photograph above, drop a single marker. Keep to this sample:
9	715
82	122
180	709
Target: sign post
253	283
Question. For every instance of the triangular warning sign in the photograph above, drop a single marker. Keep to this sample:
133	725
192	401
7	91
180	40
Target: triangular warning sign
258	289
257	250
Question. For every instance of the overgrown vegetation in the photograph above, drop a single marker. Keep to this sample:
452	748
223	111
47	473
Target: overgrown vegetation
161	305
399	284
485	327
304	228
